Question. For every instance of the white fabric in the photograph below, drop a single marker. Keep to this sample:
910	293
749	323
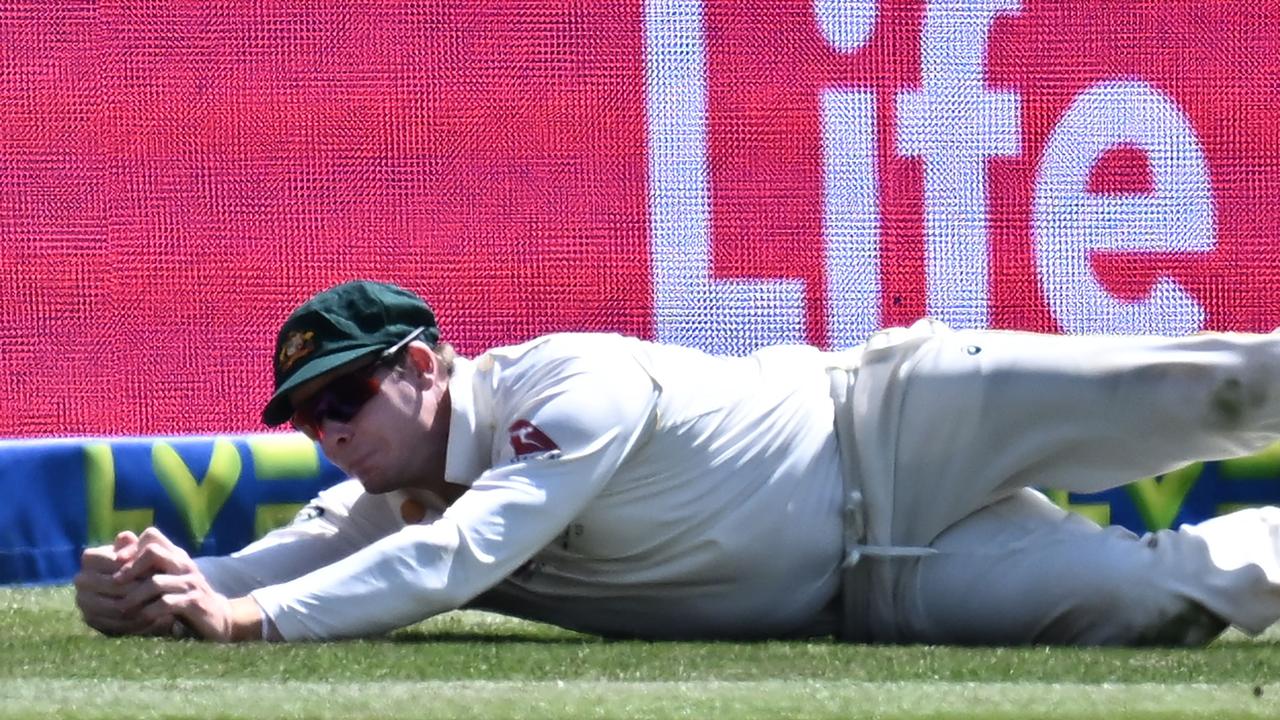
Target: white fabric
702	496
951	426
341	520
1025	571
690	495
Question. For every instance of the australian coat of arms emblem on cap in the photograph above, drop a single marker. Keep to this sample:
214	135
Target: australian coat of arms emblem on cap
295	347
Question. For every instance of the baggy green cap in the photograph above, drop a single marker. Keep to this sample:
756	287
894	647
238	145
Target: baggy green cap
345	323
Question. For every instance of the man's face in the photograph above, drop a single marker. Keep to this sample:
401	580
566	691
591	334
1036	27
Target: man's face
384	424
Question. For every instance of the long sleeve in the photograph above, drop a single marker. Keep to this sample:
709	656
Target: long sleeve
570	424
339	521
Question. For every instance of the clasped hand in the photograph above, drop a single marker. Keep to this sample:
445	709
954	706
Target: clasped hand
146	585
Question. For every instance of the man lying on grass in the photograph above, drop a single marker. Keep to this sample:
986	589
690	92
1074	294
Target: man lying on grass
619	487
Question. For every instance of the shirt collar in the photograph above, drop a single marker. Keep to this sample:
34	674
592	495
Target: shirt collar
466	455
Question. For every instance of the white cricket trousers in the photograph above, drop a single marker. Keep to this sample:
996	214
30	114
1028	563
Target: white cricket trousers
945	433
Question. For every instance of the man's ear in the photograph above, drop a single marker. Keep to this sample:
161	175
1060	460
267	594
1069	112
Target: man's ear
422	359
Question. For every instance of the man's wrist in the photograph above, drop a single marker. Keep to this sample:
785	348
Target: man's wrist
248	621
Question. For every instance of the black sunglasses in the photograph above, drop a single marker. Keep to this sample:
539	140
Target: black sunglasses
342	398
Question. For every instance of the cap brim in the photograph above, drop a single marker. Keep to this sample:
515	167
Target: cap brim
279	408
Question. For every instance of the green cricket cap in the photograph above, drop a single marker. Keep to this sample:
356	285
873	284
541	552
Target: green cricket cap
345	323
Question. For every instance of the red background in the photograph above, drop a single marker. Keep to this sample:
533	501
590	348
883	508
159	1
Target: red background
175	177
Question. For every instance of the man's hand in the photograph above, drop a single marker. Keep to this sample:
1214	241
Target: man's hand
99	594
167	590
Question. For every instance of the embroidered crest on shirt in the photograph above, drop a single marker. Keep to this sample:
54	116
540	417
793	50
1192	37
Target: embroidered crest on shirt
310	512
527	441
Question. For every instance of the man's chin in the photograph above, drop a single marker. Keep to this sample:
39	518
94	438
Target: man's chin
374	486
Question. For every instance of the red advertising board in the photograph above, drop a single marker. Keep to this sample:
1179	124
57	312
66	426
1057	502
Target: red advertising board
175	176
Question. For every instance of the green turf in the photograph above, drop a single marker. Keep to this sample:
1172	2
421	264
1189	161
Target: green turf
476	665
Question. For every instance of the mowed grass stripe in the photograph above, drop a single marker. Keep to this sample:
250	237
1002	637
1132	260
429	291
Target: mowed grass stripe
255	700
471	665
41	637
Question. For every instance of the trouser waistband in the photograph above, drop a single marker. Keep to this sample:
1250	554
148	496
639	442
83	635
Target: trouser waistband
859	578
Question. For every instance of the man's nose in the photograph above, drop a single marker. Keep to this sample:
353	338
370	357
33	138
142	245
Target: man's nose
334	437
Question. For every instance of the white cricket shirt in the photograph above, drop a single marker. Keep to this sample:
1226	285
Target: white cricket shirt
615	486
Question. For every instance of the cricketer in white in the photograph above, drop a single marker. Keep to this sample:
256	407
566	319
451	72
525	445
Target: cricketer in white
626	488
674	504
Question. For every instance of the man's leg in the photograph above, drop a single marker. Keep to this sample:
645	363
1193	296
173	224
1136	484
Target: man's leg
949	422
1024	571
979	414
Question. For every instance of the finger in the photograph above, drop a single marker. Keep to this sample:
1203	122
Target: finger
94	605
108	626
110	622
153	536
154	559
128	554
190	618
101	605
99	559
126	546
113	622
146	591
101	584
165	610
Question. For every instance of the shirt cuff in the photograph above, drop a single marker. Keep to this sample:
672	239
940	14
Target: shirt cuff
278	622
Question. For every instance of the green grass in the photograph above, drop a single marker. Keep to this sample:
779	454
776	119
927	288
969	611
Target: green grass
474	665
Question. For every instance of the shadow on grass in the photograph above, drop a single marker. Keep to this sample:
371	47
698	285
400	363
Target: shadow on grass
507	637
501	638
